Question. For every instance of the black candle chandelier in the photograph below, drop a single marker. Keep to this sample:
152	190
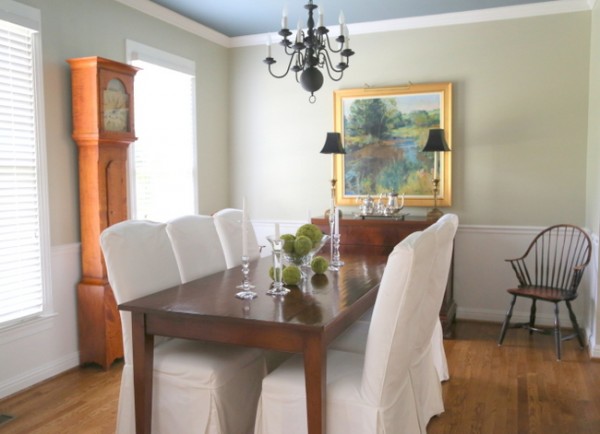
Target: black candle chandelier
310	52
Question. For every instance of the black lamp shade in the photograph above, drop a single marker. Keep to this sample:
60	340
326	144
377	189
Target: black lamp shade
436	141
333	144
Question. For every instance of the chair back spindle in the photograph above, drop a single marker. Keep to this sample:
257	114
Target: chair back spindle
555	259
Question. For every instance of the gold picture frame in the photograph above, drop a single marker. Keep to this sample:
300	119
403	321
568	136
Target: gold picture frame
383	131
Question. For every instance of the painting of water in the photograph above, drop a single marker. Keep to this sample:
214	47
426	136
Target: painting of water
383	132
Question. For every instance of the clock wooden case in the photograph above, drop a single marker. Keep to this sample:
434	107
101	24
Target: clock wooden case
103	128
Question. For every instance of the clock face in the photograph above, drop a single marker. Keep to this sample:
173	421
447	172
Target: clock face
115	110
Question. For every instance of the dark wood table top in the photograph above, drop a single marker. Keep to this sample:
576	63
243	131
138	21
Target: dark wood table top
316	305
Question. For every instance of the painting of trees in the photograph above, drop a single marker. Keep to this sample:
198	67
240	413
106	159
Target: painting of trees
383	132
383	139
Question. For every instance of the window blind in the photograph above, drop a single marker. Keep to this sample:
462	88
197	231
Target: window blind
21	280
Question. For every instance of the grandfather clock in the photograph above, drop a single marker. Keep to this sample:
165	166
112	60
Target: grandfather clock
102	92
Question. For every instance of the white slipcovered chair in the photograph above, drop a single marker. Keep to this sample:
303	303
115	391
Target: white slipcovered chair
198	387
196	245
199	253
229	227
355	338
372	392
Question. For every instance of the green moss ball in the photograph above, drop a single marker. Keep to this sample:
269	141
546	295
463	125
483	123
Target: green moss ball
291	275
319	264
302	245
311	231
288	243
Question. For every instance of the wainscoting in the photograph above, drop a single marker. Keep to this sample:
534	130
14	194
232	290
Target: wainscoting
42	348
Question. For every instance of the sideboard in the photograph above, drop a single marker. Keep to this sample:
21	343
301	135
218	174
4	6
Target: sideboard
379	236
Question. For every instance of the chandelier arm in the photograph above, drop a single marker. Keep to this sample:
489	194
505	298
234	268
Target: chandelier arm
289	51
327	67
330	68
326	61
286	71
330	48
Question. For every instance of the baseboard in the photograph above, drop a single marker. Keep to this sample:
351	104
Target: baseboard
594	352
41	373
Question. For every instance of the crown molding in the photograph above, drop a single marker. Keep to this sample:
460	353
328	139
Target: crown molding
456	18
161	13
477	16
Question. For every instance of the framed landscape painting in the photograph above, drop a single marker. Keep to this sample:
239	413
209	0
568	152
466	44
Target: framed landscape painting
384	131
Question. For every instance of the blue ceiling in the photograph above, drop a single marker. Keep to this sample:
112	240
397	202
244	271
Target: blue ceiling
249	17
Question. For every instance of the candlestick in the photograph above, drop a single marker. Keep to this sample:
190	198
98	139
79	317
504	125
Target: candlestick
246	292
277	231
336	263
336	223
277	287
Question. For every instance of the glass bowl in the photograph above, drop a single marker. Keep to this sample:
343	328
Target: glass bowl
303	261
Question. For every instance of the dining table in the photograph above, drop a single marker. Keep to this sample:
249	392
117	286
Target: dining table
305	321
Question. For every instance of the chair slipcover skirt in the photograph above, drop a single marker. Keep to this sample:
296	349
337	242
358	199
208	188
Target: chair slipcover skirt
215	386
282	406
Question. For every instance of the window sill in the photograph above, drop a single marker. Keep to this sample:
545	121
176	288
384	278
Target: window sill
27	327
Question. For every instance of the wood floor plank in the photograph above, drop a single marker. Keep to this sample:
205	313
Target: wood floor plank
516	388
81	401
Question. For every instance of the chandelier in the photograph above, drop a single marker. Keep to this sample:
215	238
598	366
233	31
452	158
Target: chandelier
310	52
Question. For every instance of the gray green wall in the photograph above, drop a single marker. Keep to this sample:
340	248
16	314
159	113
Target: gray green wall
78	28
519	119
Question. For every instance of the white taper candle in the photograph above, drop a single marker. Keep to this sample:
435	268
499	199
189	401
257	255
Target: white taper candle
244	229
284	18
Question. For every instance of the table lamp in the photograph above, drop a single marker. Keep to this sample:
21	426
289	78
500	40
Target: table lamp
436	142
333	145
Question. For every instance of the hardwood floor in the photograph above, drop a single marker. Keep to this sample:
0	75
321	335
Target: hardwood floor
516	388
81	401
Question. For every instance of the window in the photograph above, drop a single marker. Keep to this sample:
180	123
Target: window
24	238
163	159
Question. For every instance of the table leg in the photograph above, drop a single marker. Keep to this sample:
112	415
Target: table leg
143	361
315	370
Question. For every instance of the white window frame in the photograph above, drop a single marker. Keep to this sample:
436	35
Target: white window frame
28	17
138	51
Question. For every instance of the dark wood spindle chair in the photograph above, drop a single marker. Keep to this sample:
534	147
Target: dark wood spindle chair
551	270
